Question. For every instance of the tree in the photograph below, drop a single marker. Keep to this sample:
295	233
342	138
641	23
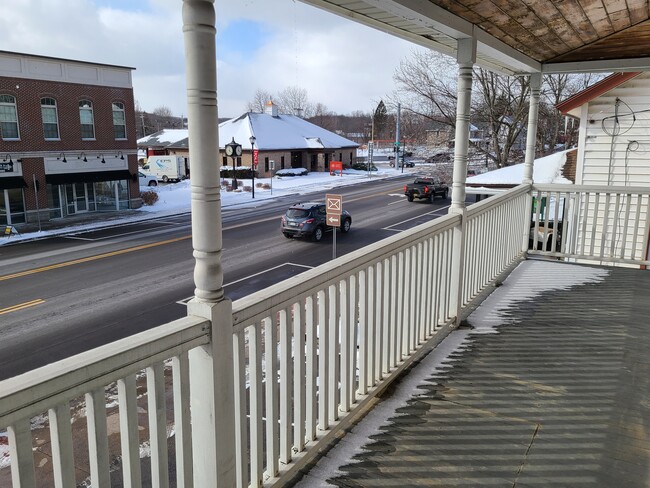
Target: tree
502	105
293	100
380	120
258	104
426	86
163	111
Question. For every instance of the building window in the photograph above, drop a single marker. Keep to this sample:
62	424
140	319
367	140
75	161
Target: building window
119	120
50	118
86	118
266	165
8	117
281	162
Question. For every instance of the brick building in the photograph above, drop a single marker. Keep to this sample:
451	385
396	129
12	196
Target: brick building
67	138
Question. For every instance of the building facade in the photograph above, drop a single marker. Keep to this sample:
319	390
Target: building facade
67	138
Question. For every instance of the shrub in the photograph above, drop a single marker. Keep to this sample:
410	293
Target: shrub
247	188
361	166
149	197
292	172
242	172
266	186
259	185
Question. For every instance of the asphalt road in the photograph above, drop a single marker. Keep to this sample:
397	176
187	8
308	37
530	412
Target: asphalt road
64	295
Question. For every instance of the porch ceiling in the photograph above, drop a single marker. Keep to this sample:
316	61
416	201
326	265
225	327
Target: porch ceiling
517	36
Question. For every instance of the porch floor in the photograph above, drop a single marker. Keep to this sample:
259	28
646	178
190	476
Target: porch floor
549	386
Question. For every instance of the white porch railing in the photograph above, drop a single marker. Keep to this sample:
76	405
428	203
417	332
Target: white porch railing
589	223
310	353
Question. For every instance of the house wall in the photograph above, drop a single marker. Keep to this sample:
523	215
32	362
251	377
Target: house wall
611	154
617	155
28	79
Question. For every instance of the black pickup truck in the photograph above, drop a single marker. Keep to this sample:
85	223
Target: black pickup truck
427	188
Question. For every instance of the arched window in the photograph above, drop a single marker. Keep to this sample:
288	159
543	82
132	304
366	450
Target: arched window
50	118
86	119
8	117
119	120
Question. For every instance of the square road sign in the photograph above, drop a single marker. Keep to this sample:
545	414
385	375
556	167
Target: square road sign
333	220
334	204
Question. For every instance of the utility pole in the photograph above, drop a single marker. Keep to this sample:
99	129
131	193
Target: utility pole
397	136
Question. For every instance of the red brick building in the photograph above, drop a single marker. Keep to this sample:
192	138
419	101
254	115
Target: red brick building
67	138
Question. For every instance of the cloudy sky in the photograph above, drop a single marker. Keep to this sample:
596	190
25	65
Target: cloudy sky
261	44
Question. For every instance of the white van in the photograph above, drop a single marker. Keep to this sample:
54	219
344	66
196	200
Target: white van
166	168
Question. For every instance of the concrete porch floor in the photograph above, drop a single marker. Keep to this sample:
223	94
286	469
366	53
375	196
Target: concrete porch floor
549	386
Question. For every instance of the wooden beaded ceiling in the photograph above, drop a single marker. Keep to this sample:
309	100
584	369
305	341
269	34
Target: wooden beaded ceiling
517	36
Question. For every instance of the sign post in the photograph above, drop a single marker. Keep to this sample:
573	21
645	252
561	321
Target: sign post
333	208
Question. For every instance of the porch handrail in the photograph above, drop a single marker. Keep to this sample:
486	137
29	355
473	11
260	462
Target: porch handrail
31	393
253	306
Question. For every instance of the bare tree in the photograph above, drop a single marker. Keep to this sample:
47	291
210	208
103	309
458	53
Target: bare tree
259	101
502	105
163	111
427	86
294	100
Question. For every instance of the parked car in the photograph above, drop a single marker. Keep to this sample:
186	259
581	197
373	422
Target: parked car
308	219
147	180
426	188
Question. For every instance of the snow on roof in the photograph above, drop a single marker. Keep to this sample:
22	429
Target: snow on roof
279	133
546	170
163	137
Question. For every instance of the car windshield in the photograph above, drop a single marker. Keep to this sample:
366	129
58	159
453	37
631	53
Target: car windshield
297	213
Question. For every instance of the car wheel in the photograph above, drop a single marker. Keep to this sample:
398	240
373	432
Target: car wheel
165	179
287	235
409	198
345	226
318	234
153	183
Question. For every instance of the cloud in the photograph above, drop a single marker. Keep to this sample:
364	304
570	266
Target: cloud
341	64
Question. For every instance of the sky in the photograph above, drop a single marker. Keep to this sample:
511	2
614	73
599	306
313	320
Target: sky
261	44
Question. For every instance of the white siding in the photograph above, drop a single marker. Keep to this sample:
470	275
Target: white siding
618	154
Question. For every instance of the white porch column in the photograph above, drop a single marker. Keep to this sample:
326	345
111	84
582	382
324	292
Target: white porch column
531	135
211	381
531	139
466	58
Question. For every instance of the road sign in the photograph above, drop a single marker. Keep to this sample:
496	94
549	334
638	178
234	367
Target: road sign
334	204
333	220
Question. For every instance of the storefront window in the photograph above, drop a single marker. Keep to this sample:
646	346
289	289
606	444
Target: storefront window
54	201
12	206
123	194
105	196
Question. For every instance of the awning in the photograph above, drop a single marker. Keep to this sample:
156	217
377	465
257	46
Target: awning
7	182
91	177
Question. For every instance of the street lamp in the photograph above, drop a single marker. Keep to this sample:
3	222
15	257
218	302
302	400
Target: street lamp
252	141
234	151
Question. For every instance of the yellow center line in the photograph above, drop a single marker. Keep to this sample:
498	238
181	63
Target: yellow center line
91	258
20	306
138	248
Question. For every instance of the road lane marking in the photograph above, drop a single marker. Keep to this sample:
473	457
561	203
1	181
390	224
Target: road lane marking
144	246
185	300
432	212
21	306
91	258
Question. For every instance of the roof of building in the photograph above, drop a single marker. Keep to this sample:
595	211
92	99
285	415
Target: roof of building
546	170
281	132
594	91
13	53
163	138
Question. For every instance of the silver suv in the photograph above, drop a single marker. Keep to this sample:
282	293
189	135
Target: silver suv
309	220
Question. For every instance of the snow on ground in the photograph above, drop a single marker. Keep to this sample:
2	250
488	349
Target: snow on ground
175	198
